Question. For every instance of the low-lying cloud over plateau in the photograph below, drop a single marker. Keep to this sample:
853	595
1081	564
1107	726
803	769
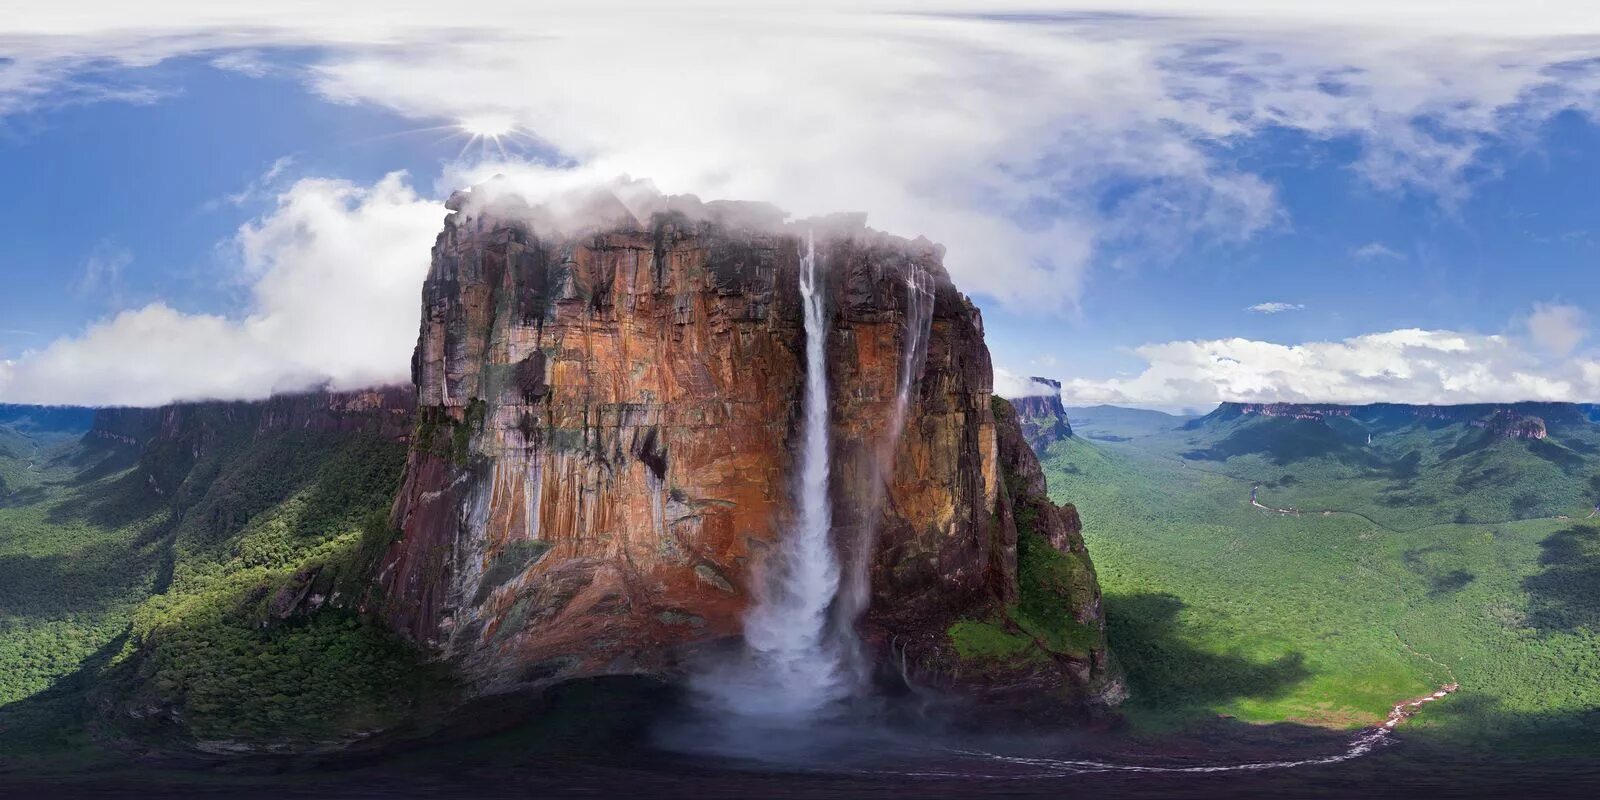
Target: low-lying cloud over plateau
1035	145
1011	385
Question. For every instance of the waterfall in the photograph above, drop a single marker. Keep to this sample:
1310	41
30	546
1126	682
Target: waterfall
919	321
855	591
792	668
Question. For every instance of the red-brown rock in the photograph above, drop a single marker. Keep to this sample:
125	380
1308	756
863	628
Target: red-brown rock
607	416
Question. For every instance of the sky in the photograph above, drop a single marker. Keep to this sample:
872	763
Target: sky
1159	203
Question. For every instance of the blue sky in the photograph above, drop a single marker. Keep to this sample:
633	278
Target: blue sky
1526	234
1419	217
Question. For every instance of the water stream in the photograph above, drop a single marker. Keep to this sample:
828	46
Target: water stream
792	669
855	590
786	695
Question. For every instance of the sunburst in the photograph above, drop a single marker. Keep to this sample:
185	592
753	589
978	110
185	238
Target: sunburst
487	126
492	132
489	129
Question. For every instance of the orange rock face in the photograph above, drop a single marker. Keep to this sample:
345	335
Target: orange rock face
607	417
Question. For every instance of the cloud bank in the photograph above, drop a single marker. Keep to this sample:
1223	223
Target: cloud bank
1037	145
1402	366
334	274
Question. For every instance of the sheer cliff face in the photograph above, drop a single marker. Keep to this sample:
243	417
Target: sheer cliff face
1043	419
605	434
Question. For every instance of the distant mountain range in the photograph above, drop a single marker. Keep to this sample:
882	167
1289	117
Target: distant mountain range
1416	464
1516	420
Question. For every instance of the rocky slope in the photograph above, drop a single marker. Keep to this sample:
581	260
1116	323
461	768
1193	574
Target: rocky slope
608	402
1042	417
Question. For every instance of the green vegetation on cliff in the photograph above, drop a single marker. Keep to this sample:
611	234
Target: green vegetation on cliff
1040	622
208	591
257	636
1051	586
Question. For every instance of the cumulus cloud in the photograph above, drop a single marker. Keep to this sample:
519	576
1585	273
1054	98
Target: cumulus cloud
1402	366
1557	328
334	272
1275	308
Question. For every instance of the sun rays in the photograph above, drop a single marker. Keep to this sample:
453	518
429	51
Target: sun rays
483	134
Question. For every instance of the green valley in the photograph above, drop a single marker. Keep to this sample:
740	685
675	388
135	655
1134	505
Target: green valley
1444	551
195	583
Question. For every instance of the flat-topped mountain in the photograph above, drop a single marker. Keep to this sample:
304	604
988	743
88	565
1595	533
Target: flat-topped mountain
1044	420
589	478
1515	420
609	413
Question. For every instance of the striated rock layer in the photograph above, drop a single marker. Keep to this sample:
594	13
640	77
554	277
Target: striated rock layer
608	412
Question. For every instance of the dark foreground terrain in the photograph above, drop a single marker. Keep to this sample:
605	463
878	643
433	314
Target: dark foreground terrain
617	738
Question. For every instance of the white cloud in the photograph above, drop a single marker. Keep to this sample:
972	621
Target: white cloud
1008	384
1402	366
1557	328
1033	146
1371	251
1275	308
245	62
335	272
264	184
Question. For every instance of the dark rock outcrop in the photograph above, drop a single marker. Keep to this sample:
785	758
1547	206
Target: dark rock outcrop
1512	425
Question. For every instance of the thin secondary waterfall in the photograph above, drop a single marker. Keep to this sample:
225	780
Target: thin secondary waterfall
919	321
855	592
792	668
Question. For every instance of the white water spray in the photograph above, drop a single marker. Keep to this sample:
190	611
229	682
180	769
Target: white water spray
792	669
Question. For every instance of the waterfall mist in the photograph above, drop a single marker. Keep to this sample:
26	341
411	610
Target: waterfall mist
792	666
793	690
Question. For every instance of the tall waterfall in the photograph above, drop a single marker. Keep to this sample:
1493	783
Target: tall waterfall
793	668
